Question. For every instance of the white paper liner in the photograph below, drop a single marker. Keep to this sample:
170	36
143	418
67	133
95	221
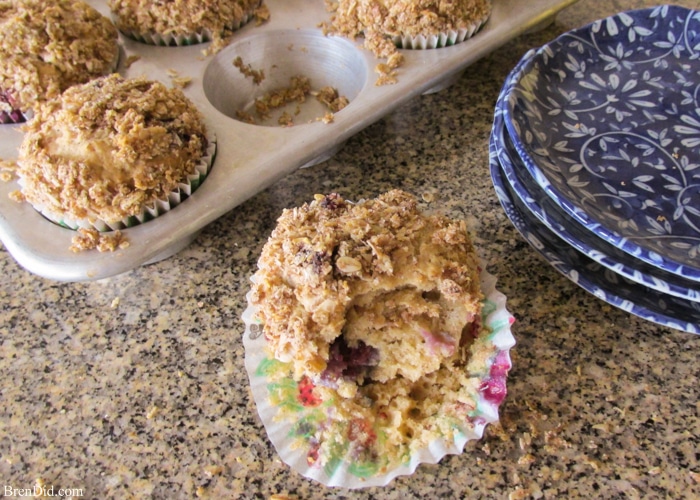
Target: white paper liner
174	40
347	472
438	40
159	207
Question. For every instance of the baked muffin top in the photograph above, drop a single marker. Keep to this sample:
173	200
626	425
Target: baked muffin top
47	46
105	149
378	19
180	17
370	290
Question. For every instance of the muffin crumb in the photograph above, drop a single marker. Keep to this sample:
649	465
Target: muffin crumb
90	239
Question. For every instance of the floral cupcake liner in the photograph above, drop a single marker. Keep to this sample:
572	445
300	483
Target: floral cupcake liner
293	413
184	190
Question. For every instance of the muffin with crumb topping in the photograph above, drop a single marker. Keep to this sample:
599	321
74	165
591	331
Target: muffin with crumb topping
374	339
113	152
389	25
181	22
48	46
352	293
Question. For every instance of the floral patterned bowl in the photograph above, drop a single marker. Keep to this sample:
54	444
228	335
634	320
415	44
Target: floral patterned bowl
607	120
534	198
592	276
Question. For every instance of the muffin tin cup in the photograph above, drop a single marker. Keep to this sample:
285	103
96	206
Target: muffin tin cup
267	64
251	157
290	421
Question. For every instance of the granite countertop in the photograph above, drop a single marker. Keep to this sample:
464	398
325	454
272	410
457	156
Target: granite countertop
135	387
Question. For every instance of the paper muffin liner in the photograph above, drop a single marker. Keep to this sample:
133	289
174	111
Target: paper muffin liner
290	420
174	40
184	190
438	40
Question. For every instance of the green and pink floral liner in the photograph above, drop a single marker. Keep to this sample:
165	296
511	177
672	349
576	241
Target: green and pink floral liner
292	412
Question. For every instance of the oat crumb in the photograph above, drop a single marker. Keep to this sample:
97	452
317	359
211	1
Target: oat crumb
262	15
131	60
152	412
17	196
213	470
258	75
90	239
7	170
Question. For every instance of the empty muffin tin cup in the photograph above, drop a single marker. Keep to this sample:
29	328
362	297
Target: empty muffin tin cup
252	80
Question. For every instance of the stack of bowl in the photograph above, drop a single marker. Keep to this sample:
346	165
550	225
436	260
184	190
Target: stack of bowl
595	157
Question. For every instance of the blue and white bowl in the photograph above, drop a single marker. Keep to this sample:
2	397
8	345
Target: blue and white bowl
559	222
593	277
606	119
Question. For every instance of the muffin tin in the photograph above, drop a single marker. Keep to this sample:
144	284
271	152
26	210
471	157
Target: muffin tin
251	157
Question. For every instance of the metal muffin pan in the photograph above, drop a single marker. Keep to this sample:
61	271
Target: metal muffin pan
251	157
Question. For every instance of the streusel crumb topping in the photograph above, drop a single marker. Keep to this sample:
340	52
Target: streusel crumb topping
181	18
48	46
107	148
375	290
378	21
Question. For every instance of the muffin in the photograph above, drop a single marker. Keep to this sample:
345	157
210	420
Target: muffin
372	291
409	24
48	46
181	22
112	152
374	340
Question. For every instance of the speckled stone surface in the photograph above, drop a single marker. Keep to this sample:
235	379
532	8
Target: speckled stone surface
134	386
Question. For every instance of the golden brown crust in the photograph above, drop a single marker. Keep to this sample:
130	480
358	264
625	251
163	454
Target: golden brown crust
380	21
48	46
106	149
392	283
407	17
182	17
